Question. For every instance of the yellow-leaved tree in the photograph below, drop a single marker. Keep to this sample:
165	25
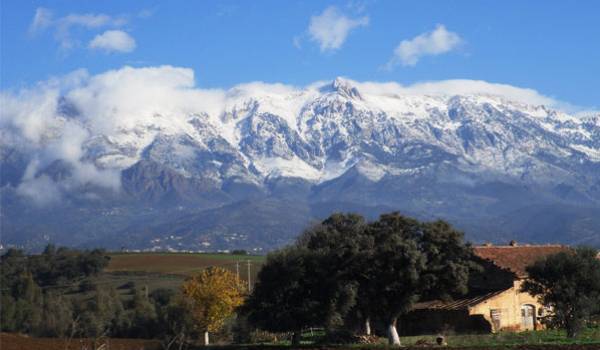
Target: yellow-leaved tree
213	295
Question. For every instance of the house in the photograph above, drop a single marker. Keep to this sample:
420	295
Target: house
494	302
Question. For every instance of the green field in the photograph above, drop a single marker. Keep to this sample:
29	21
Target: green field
166	270
184	264
545	337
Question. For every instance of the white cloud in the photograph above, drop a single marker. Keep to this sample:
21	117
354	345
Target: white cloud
433	43
125	98
91	20
113	41
146	13
43	19
297	41
459	87
331	28
41	190
32	119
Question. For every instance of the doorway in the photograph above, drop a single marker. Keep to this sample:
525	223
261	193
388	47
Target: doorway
527	317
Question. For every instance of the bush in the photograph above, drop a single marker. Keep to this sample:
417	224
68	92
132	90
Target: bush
87	286
127	285
239	252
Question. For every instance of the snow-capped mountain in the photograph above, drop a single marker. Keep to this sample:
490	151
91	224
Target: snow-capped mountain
320	134
271	159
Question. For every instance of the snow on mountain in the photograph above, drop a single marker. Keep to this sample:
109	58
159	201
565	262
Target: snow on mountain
319	132
277	131
301	152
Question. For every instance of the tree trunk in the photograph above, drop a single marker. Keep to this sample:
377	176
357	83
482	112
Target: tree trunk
368	326
296	338
393	337
572	326
206	340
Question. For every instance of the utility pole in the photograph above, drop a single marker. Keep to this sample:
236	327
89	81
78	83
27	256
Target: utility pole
237	270
249	284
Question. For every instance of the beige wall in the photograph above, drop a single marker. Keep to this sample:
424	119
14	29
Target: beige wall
509	303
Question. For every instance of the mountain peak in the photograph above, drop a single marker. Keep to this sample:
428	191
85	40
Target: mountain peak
345	88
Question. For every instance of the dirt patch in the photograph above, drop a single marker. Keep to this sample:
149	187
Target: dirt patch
21	342
381	347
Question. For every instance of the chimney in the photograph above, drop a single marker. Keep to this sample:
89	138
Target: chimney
513	243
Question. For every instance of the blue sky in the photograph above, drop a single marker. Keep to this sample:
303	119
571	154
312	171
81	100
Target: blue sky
550	46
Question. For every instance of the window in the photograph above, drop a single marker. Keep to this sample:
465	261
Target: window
496	316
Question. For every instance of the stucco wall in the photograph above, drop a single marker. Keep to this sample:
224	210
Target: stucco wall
509	303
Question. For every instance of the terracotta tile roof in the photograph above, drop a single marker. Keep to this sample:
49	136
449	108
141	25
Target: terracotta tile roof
516	258
457	304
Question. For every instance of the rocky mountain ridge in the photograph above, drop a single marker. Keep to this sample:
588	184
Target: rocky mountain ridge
478	160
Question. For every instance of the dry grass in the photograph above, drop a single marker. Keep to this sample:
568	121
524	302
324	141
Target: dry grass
181	263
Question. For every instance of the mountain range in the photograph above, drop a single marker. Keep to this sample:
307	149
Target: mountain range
267	163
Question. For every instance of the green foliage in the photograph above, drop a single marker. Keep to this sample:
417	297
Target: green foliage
395	266
33	300
569	282
59	264
57	316
510	340
87	286
345	268
102	314
449	261
239	252
142	316
162	296
291	293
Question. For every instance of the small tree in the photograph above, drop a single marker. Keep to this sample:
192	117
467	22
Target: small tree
213	295
568	282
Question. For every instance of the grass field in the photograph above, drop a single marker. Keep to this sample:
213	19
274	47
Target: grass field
542	338
168	270
165	270
546	337
20	342
182	263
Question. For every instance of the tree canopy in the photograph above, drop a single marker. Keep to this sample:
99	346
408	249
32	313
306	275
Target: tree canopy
213	295
345	265
568	282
